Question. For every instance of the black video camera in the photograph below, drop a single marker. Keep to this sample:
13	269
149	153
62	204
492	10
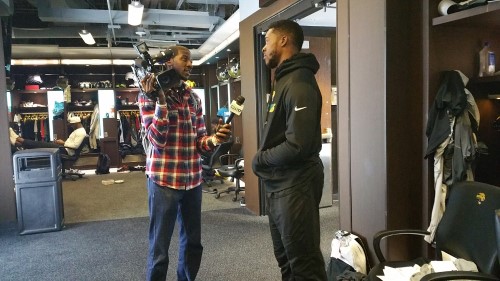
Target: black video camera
146	64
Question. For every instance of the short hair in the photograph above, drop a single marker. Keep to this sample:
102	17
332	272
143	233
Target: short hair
292	30
174	51
177	48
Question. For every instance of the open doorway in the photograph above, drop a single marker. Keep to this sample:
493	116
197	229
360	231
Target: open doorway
319	25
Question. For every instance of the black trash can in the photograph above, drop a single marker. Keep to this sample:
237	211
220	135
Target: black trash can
37	179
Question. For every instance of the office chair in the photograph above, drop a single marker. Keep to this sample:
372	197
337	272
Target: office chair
212	162
233	169
69	160
466	231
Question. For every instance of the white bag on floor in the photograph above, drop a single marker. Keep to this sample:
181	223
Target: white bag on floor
348	248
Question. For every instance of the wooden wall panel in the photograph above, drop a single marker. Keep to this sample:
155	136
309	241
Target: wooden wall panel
320	47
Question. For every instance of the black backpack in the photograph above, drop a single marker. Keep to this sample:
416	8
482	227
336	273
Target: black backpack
103	163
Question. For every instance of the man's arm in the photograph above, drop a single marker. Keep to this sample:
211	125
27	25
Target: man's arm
154	113
302	115
75	139
206	143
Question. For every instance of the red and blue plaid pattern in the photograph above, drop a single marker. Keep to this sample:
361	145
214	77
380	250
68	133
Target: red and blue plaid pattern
177	134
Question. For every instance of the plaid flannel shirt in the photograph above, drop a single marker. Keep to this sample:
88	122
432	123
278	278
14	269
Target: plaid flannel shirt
177	134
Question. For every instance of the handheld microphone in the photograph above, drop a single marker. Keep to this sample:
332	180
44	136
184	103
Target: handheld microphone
236	107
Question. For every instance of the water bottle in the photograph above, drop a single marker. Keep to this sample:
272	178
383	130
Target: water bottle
483	59
491	63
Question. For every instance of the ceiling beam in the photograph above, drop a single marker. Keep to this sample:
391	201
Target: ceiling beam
215	2
151	17
72	32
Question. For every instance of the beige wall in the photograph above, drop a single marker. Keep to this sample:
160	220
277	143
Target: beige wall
380	119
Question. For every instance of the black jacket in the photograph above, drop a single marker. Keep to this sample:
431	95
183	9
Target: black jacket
450	101
291	140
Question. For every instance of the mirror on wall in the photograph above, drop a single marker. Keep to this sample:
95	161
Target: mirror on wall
55	105
106	100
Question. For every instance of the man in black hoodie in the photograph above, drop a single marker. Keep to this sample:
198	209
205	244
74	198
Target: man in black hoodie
288	159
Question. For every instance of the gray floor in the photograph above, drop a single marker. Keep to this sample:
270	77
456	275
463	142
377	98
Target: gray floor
105	237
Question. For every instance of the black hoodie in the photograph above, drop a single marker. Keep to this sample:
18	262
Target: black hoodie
291	140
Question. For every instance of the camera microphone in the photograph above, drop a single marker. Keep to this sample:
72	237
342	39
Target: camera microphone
236	107
163	56
139	62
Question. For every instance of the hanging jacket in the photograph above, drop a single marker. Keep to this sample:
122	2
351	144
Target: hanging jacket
454	155
449	103
94	128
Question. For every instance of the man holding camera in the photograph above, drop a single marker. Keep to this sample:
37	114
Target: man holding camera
173	121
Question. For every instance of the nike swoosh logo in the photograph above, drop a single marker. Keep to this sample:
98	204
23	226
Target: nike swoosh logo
300	108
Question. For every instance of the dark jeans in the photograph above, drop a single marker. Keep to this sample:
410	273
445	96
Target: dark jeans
27	143
167	205
295	230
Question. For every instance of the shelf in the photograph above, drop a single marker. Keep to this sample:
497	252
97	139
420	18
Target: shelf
127	90
80	108
41	91
91	90
485	79
127	107
38	109
86	90
486	15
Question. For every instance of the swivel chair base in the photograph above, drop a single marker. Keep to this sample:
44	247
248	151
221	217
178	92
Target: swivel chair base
237	189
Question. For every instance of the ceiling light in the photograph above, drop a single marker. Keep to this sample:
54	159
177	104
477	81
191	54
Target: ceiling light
140	31
135	10
87	37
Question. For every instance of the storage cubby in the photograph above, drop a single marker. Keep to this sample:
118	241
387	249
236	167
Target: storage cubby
106	85
454	43
485	90
126	98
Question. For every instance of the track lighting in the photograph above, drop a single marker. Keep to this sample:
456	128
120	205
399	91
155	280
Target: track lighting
135	10
87	37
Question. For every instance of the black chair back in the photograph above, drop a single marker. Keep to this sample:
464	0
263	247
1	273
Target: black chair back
497	228
84	143
223	148
78	151
467	228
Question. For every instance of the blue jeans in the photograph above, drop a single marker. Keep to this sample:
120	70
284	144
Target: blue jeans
167	205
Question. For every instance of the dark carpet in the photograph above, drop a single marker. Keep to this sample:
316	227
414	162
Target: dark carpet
237	245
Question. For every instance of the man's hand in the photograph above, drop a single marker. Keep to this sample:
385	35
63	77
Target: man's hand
222	133
148	83
148	86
